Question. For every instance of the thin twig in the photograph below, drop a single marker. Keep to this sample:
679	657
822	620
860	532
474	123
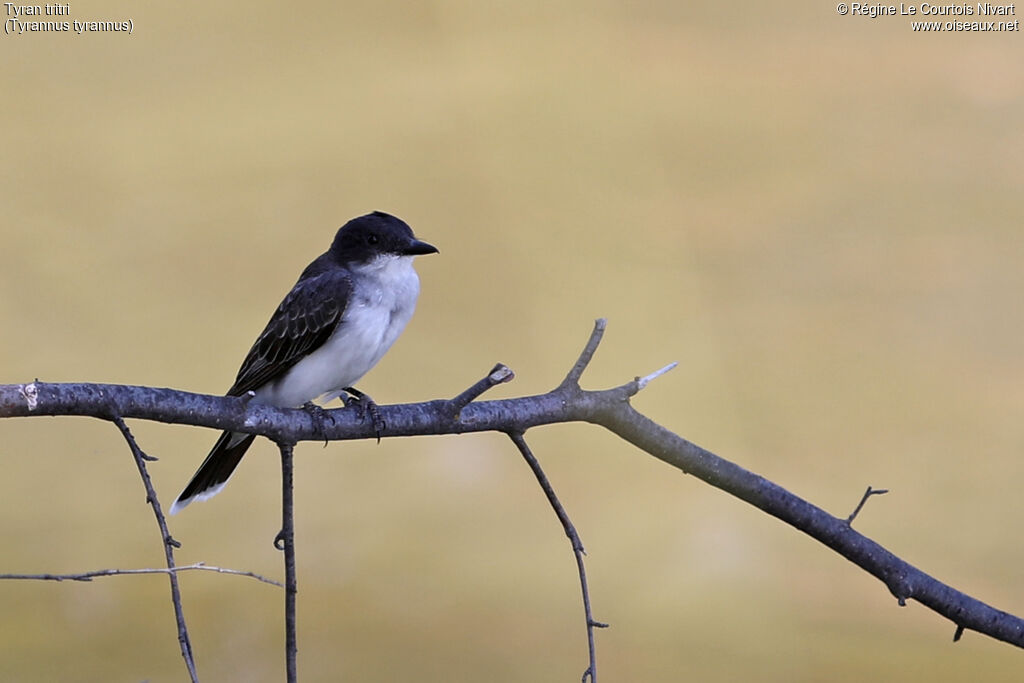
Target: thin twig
573	378
285	540
577	548
867	494
89	576
499	374
168	543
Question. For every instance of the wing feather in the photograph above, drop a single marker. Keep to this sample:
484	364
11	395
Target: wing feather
301	324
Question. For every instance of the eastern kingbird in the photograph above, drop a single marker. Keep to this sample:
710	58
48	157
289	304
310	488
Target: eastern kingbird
346	310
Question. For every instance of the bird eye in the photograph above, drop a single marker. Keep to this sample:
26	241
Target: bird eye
371	239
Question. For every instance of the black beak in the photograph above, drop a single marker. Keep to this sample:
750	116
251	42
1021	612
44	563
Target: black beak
418	248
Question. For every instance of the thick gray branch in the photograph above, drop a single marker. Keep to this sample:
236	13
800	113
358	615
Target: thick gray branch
567	403
904	581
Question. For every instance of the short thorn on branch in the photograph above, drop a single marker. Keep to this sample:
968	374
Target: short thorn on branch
958	634
867	494
642	382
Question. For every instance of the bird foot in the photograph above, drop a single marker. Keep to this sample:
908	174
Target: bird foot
366	406
317	414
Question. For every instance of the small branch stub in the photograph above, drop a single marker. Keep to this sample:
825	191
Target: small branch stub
864	499
499	374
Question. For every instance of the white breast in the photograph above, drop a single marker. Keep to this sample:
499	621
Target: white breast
383	299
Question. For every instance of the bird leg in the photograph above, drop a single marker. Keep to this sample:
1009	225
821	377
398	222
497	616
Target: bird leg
366	405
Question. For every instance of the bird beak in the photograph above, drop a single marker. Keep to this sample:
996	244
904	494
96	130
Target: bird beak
418	248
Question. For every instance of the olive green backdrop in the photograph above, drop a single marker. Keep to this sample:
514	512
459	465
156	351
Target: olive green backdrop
817	215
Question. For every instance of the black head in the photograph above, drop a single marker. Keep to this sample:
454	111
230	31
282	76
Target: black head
376	234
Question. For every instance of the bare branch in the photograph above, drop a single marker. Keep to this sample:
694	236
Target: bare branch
903	580
169	544
89	576
573	378
609	408
577	547
285	540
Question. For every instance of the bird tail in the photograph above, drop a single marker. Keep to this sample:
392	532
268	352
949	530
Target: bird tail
215	471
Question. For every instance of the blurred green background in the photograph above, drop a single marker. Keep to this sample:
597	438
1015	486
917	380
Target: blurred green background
819	216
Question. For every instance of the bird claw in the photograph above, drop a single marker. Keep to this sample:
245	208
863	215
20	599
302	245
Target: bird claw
365	405
317	414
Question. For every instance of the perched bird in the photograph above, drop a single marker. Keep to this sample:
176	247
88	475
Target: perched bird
346	310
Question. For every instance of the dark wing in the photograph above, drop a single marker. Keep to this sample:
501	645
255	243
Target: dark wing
300	325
